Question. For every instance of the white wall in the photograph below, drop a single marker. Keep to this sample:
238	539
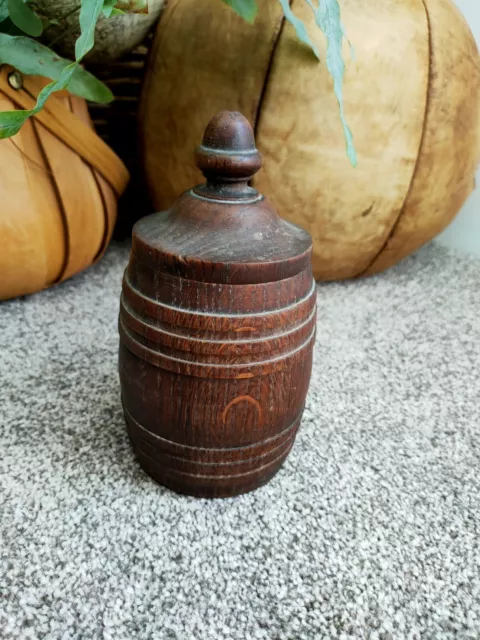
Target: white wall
464	231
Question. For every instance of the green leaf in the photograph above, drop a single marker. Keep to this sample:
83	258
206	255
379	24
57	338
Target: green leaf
49	22
87	86
24	18
108	8
33	58
3	10
327	17
89	14
12	121
246	9
300	29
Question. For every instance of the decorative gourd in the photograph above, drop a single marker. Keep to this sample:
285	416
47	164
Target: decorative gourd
412	100
59	184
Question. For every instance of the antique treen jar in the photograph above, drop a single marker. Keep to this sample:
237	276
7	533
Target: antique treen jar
217	326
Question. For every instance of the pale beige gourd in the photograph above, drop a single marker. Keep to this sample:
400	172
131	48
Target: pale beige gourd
59	186
412	100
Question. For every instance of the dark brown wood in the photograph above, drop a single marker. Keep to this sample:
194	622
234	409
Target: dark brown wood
217	325
117	123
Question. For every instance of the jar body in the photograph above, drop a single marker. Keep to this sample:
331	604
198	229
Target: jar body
214	376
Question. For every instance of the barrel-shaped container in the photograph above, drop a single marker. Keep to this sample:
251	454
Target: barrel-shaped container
217	325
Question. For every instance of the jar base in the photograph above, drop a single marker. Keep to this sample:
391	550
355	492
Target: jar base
207	489
191	471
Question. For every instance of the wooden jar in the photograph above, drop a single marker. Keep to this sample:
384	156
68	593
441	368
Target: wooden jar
217	325
59	184
411	97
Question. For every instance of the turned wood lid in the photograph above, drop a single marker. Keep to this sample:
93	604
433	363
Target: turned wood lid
224	230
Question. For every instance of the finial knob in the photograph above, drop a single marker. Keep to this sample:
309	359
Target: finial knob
228	154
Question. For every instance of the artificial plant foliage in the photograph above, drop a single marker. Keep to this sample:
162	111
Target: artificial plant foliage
109	9
24	18
298	25
28	55
11	121
247	9
3	10
31	57
328	19
89	14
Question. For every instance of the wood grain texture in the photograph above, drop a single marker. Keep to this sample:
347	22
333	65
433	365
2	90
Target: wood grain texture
58	209
186	61
75	133
117	124
413	80
33	249
79	201
450	151
217	325
349	211
80	109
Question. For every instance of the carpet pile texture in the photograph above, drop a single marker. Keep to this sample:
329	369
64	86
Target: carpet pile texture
370	530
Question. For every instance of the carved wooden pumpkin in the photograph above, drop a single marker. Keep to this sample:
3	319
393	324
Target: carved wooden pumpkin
412	100
59	184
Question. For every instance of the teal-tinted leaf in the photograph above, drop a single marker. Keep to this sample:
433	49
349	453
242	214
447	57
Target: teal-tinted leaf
87	86
27	56
112	12
352	49
12	121
327	17
300	28
24	18
33	58
89	14
108	7
3	10
48	22
246	9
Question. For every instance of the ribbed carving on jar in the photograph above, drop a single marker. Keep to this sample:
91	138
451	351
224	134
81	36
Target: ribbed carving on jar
215	368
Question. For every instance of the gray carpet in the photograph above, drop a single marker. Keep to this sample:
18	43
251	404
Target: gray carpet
371	530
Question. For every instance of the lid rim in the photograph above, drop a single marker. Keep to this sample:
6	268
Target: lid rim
232	273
